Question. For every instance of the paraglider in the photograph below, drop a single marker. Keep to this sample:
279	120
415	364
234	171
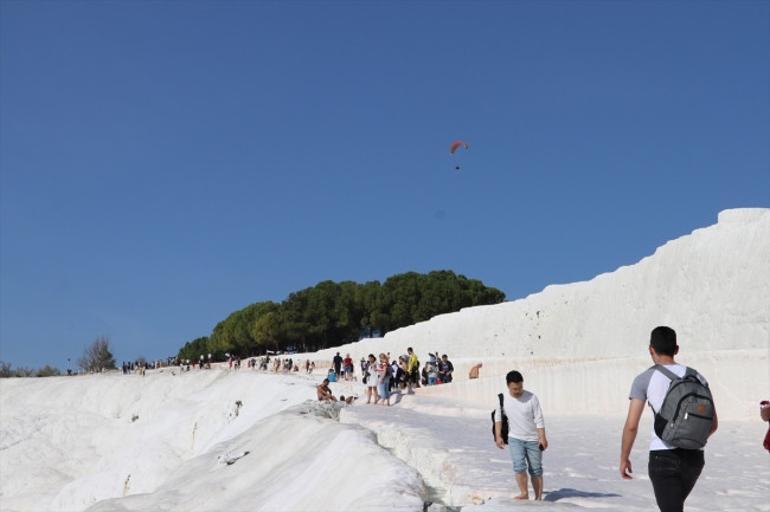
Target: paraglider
457	144
454	146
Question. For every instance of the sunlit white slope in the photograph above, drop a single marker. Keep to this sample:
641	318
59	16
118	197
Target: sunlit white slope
67	443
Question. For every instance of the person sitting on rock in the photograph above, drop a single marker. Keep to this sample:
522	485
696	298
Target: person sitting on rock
324	393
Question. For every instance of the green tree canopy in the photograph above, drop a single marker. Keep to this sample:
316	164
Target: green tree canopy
332	313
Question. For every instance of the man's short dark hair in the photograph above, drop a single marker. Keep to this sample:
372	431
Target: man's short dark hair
663	340
514	376
410	349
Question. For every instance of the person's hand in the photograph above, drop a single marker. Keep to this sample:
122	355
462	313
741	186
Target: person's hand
625	469
499	442
544	443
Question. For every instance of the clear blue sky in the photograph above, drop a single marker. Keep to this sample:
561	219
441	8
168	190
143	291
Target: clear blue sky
165	163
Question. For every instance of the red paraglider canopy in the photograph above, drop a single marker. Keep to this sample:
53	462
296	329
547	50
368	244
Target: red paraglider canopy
455	145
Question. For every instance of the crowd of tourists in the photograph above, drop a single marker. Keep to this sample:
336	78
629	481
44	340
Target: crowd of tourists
382	375
140	366
404	369
234	362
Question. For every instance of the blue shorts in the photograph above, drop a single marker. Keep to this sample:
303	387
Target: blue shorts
383	389
526	454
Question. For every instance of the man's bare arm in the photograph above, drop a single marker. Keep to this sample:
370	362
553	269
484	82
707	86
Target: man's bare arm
499	434
630	429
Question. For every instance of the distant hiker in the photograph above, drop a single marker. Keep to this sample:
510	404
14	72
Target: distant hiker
383	378
347	367
331	376
764	413
526	434
370	379
432	372
445	369
474	372
307	366
312	367
403	376
324	393
413	369
394	371
674	465
337	364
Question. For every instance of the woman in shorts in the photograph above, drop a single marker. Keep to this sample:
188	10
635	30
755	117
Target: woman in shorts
371	379
383	377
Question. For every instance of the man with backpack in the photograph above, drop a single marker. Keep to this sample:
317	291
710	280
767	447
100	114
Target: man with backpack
685	417
518	422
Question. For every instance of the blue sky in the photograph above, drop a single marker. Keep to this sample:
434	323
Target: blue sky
165	163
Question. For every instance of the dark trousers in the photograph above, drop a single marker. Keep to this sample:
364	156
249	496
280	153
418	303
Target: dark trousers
673	474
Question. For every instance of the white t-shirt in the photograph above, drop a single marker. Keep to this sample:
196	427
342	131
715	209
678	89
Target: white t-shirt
524	415
372	379
652	386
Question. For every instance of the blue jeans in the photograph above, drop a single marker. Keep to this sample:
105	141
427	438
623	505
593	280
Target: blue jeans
526	454
383	389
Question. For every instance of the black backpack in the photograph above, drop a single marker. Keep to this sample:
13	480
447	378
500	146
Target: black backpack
504	428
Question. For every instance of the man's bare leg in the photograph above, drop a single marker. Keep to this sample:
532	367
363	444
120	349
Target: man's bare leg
521	479
537	485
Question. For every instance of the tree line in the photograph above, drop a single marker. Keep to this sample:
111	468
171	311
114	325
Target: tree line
332	313
7	370
96	357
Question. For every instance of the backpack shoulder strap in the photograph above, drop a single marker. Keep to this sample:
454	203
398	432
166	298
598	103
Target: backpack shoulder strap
502	409
665	371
